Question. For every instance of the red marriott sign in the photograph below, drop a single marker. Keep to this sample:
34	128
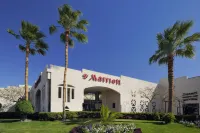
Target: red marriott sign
93	77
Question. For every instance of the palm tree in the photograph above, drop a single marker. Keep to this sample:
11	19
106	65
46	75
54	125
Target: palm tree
174	42
73	26
33	44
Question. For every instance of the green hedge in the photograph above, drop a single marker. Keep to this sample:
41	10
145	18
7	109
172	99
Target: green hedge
9	115
88	114
187	117
143	116
51	116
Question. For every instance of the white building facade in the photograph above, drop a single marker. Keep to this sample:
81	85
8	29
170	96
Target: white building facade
88	90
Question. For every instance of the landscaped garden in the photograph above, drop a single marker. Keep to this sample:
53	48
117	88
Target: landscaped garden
10	126
104	121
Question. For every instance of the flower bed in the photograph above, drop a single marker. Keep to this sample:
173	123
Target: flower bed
190	124
104	128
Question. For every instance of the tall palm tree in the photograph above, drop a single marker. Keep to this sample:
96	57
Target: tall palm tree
174	42
73	28
33	44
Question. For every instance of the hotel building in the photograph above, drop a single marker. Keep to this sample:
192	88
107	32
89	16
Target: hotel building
88	90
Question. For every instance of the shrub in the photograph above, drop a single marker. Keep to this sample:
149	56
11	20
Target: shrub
107	115
24	107
71	115
186	117
46	116
88	114
169	117
51	116
161	116
138	116
9	115
156	116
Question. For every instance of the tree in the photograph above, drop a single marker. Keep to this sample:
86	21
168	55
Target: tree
33	44
177	101
11	95
174	42
149	93
73	26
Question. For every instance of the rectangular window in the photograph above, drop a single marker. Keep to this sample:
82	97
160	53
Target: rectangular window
113	105
59	92
72	93
68	94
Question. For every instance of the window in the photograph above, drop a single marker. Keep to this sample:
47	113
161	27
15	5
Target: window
72	93
68	94
59	92
113	105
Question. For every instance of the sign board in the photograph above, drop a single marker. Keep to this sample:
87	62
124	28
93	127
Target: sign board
95	78
190	96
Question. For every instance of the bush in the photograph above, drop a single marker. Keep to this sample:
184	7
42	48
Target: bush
138	116
107	115
52	116
162	116
186	118
169	118
24	107
156	116
49	116
88	114
71	115
9	115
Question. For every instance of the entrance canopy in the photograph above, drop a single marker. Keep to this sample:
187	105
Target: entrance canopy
101	95
98	89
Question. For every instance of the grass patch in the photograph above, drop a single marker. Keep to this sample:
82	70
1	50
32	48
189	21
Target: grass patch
14	126
37	127
157	127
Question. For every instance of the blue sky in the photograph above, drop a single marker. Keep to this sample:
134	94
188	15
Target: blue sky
122	37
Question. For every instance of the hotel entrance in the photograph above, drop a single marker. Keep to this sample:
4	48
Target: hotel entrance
92	101
94	97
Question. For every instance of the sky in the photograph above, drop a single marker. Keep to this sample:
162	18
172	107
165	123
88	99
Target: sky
122	37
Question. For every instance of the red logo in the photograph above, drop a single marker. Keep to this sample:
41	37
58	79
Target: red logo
84	76
93	77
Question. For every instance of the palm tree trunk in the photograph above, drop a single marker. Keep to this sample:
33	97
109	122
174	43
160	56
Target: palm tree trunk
26	72
171	82
65	74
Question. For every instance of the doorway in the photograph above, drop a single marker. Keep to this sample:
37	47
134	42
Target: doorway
94	97
191	109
